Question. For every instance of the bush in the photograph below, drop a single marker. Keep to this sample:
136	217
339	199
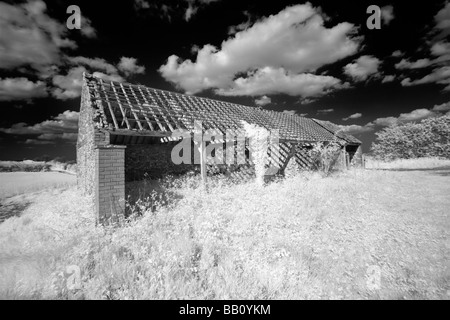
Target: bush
428	138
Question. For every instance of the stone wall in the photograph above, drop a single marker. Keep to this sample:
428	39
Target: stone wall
86	145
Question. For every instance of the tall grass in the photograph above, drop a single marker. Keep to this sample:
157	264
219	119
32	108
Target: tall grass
417	163
299	238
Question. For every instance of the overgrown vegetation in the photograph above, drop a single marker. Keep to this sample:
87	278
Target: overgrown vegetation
428	138
302	237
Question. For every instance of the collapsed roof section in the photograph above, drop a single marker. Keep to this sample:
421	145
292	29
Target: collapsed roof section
135	109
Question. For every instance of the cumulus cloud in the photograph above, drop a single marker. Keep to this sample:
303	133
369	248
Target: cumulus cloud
385	121
21	89
353	116
356	129
440	50
440	54
62	127
388	78
286	45
264	100
397	54
270	81
442	20
442	107
30	37
387	14
438	75
141	4
412	116
362	68
95	63
69	86
186	9
415	115
290	112
418	64
325	111
129	66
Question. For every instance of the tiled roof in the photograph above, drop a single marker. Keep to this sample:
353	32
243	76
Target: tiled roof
126	107
337	131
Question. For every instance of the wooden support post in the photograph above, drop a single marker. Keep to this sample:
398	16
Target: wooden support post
363	161
347	160
202	151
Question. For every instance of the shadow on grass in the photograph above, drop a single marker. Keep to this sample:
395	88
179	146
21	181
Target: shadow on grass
148	194
12	209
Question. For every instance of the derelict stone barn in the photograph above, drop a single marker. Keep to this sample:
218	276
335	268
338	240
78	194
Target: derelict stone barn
125	133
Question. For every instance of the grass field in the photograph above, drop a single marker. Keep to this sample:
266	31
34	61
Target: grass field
17	183
361	234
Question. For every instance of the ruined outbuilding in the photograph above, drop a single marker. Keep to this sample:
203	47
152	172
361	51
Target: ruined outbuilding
125	132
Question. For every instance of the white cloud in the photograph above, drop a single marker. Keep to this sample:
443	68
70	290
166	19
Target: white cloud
190	12
387	14
356	129
418	64
385	122
186	8
388	78
95	63
69	86
441	48
264	100
62	127
30	37
21	89
141	4
442	107
353	116
397	54
194	5
362	68
271	81
442	20
438	75
415	115
325	111
295	40
242	26
129	66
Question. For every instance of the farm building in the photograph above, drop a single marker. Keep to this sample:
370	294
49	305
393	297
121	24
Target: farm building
126	133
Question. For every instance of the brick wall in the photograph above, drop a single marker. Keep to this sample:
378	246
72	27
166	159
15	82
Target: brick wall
153	161
109	182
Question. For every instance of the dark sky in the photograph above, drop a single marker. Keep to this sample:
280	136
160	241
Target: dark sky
317	59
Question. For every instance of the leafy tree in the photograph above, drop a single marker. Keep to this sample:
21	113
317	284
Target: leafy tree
428	138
